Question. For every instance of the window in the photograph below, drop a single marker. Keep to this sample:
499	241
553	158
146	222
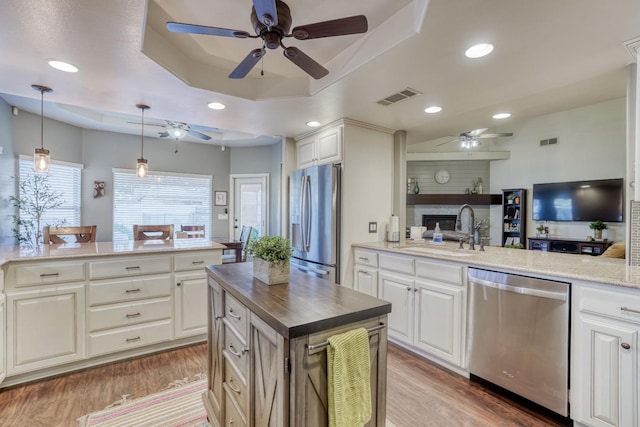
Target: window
160	198
64	178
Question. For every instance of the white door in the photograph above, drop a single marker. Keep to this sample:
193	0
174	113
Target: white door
250	203
399	292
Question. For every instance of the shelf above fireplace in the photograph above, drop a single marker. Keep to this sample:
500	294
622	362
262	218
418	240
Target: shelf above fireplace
454	199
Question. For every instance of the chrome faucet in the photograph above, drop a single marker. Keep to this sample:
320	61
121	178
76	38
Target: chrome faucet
472	222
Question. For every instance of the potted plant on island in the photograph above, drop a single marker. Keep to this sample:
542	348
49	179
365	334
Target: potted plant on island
597	227
271	259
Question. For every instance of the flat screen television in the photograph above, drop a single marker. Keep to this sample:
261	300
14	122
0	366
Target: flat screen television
579	201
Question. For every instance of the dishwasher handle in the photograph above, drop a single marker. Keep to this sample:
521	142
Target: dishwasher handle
560	296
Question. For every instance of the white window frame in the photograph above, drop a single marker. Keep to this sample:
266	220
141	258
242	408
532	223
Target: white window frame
154	175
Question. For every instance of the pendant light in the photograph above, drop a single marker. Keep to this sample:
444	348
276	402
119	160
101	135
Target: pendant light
41	158
142	168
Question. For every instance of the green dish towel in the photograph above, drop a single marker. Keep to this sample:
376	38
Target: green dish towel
348	377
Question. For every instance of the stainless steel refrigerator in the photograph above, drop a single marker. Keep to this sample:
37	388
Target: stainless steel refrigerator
314	206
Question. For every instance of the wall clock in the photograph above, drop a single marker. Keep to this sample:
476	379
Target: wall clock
442	176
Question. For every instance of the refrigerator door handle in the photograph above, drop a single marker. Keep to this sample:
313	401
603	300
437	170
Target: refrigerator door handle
307	213
303	207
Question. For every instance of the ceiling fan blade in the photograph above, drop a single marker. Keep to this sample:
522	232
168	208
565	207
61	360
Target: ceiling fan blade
446	142
163	134
495	135
475	132
337	27
266	12
247	64
305	62
198	134
204	128
178	27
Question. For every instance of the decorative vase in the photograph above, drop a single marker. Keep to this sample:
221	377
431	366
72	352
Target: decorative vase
416	189
597	234
271	273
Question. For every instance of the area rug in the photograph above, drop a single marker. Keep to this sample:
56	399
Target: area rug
180	405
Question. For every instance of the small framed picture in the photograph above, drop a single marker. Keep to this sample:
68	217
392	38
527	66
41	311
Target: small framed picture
220	198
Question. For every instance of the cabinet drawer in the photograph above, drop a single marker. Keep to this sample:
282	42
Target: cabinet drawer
235	385
237	315
106	292
129	267
114	340
46	273
440	272
396	263
619	305
196	260
235	351
367	258
118	315
232	417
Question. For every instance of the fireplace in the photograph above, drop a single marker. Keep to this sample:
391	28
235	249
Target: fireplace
447	222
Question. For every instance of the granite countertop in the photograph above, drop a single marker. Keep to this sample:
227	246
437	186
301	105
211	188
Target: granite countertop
81	250
598	269
303	306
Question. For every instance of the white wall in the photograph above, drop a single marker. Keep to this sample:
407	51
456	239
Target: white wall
592	145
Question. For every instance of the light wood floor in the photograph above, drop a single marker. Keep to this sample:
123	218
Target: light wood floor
419	393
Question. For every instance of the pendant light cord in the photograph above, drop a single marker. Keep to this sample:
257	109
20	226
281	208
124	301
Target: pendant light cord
42	118
142	135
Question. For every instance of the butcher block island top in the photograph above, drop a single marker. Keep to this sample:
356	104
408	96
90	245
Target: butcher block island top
303	306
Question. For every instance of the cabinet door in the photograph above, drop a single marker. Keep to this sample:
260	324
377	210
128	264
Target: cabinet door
398	291
366	280
190	305
45	328
306	149
213	398
329	146
609	395
3	337
438	314
269	383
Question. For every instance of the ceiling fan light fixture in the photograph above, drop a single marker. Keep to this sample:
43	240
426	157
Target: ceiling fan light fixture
500	116
433	109
479	50
142	166
176	133
63	66
314	124
216	106
41	157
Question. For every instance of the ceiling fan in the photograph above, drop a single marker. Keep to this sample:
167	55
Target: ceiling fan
471	139
271	20
177	130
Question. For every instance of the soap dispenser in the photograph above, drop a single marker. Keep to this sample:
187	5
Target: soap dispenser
437	234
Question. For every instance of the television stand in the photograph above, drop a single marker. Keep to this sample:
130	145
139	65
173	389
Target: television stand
569	246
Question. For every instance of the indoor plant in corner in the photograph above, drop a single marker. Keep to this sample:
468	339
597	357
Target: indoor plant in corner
597	227
271	259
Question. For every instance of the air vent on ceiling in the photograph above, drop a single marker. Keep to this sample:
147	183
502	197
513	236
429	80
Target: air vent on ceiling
550	141
399	96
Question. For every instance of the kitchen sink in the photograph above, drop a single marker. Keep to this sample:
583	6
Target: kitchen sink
438	251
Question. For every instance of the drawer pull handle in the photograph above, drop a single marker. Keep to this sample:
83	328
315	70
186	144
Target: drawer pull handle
233	351
231	421
630	310
625	346
133	315
363	259
232	314
237	390
132	291
197	262
137	267
364	273
49	274
133	339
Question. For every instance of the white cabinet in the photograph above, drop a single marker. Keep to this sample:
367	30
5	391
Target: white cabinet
399	292
605	356
366	280
45	327
190	304
3	336
323	147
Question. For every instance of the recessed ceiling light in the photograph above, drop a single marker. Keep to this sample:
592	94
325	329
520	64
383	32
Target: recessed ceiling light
502	116
216	106
433	109
314	124
63	66
479	50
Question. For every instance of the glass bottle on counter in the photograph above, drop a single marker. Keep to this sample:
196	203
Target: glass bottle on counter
437	234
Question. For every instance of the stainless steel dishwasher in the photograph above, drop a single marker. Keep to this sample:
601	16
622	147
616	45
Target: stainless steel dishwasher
518	336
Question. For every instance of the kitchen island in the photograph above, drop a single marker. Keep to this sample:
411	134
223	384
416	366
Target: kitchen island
70	306
267	358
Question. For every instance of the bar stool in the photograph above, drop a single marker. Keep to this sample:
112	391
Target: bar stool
82	234
153	232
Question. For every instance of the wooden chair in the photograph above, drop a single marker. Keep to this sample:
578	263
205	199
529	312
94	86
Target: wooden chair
82	234
153	232
244	236
253	234
193	231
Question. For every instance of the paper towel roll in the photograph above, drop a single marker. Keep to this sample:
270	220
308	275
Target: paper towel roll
393	231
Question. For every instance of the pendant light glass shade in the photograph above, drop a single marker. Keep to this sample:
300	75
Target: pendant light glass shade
142	167
41	157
